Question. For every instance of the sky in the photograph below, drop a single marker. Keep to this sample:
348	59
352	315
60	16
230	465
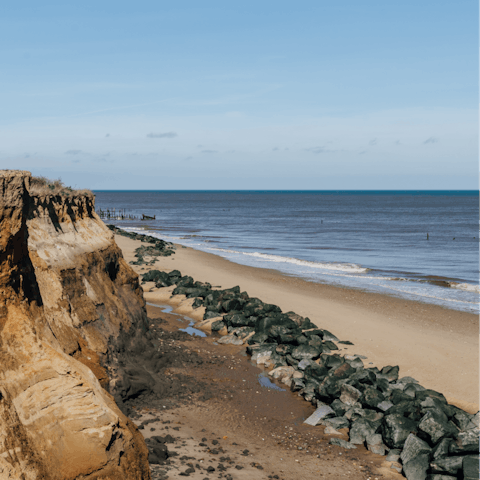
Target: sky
219	94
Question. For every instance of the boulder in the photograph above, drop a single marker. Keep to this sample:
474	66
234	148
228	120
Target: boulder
436	425
470	467
416	469
413	447
449	465
337	422
375	444
305	352
465	442
349	395
391	373
360	430
396	429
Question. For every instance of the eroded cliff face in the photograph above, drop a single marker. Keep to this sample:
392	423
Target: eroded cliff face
64	291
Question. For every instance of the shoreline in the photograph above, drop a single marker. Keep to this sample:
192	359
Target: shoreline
435	345
448	291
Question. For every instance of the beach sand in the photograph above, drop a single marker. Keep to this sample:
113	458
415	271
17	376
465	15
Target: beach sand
435	345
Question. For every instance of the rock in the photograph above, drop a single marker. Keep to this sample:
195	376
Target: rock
372	397
324	411
411	389
393	455
296	384
281	372
465	442
391	373
451	465
341	443
385	405
436	425
339	407
396	429
416	469
470	467
305	352
306	362
329	336
360	430
442	448
337	422
375	444
349	395
413	447
465	421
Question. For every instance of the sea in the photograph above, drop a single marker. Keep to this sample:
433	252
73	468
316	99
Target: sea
417	245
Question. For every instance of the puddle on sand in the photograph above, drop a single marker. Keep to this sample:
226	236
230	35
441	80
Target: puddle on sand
182	318
265	381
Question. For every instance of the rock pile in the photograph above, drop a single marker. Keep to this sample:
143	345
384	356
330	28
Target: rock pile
424	436
160	248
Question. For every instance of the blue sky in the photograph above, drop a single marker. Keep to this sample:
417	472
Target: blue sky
243	95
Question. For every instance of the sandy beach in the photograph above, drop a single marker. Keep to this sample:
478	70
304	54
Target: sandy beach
435	345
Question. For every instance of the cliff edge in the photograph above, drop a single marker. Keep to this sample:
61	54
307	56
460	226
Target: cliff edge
65	290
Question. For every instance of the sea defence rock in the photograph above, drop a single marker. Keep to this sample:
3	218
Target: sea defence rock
427	437
64	291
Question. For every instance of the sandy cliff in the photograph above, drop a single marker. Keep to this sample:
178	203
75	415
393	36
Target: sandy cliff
64	291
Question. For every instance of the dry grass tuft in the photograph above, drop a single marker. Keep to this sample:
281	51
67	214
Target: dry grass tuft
41	186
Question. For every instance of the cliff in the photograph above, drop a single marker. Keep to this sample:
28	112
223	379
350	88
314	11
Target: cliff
65	290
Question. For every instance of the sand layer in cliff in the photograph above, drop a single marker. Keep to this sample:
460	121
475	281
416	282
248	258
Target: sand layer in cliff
437	346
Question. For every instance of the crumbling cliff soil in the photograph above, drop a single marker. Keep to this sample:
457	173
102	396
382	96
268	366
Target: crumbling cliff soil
64	291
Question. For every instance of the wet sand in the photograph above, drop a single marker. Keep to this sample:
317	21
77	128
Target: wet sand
236	426
435	345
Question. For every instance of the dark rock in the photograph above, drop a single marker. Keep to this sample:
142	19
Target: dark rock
258	338
372	397
218	325
284	349
436	425
416	469
465	442
442	448
396	429
332	361
316	372
470	467
262	325
329	336
465	421
337	422
297	384
339	407
411	389
330	345
451	465
375	444
360	430
413	447
210	314
391	373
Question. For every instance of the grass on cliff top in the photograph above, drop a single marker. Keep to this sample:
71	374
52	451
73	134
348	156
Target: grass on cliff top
41	186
